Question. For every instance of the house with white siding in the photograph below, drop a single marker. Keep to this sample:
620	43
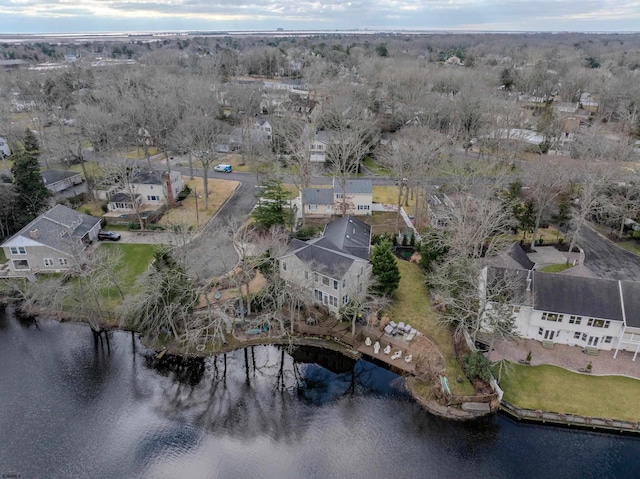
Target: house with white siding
333	268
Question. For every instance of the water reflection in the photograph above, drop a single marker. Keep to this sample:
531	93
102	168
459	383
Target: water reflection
71	408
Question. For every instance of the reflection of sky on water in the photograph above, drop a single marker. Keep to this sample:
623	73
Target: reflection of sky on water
70	409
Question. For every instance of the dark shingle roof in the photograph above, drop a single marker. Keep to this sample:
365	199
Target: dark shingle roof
349	235
591	297
54	227
148	178
631	295
53	176
317	196
329	262
354	186
513	258
121	198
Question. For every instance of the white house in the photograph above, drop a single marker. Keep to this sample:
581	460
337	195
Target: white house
333	268
321	202
318	147
4	148
150	188
50	242
577	310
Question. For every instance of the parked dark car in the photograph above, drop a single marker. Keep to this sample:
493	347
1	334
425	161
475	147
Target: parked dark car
108	235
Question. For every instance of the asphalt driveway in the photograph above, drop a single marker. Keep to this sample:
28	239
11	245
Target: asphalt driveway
607	260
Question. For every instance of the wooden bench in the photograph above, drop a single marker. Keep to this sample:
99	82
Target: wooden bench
590	350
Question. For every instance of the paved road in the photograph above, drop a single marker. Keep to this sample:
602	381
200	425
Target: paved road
211	253
607	260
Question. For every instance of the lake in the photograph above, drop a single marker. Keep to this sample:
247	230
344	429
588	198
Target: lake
71	408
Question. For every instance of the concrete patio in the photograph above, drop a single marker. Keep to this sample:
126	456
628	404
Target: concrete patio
568	357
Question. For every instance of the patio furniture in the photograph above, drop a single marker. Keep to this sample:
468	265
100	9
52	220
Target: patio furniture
396	355
376	347
387	350
401	326
409	358
407	328
388	330
410	336
393	324
367	341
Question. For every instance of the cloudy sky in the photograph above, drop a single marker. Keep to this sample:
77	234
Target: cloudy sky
68	16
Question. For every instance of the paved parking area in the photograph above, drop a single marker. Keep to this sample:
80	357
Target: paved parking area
607	260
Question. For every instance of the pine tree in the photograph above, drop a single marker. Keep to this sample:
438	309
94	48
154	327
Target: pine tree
271	209
385	269
32	194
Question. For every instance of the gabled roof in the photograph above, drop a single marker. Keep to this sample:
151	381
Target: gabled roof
590	297
353	187
122	197
631	299
513	258
53	176
348	235
148	178
317	196
327	261
56	228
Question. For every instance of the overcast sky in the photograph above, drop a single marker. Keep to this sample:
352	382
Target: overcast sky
68	16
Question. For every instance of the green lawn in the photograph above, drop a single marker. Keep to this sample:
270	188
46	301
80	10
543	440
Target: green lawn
135	261
411	305
551	388
556	268
631	246
376	168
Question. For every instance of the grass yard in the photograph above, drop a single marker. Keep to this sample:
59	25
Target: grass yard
631	246
219	192
411	305
389	195
556	268
550	235
135	261
94	170
376	168
550	388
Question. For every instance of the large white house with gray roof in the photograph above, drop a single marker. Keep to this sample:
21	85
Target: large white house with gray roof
573	307
334	267
50	242
324	202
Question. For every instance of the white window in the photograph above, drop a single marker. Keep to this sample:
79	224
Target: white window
315	277
339	196
335	284
576	335
333	301
325	281
312	207
608	339
345	299
284	266
363	207
575	319
63	261
153	198
344	283
552	317
306	275
48	261
18	250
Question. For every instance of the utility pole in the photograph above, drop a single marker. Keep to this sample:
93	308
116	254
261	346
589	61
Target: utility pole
195	193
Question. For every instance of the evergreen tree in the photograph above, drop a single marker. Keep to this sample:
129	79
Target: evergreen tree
271	209
32	194
385	269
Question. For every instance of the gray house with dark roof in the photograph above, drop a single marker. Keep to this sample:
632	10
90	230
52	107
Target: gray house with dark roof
50	242
323	202
60	180
333	268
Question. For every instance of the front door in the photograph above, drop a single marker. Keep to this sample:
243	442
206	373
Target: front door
549	334
593	341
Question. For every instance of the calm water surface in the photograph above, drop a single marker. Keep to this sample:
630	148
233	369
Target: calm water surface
69	409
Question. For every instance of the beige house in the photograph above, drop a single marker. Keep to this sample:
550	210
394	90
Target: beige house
333	268
324	202
50	242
